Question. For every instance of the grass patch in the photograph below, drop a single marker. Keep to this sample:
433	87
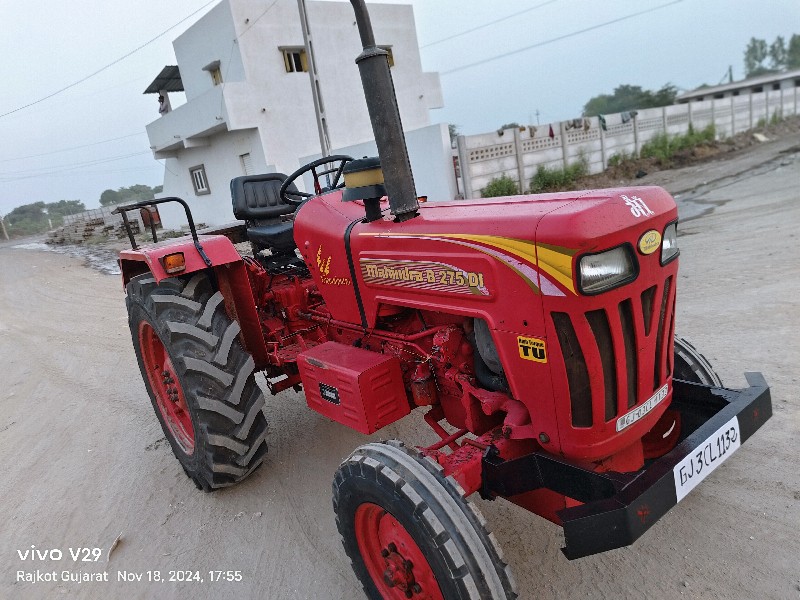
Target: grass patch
500	186
546	180
664	147
619	159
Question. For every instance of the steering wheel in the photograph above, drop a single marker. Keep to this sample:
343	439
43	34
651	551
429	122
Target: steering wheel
332	173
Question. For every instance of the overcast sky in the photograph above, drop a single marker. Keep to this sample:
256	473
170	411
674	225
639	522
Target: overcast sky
91	137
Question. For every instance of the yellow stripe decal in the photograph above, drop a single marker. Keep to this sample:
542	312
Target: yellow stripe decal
553	260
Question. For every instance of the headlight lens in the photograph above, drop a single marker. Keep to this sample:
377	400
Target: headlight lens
607	270
669	243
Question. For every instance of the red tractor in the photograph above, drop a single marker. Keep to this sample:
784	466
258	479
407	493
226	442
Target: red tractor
537	332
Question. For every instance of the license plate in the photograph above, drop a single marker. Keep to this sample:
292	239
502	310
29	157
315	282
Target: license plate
642	410
706	457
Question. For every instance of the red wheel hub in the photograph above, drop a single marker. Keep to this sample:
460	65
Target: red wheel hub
163	381
394	561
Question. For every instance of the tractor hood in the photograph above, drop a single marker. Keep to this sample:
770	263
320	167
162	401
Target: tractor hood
600	219
513	245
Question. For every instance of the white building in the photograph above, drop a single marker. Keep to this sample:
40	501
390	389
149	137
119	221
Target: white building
781	83
249	107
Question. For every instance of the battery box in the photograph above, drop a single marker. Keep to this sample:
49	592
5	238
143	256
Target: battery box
358	388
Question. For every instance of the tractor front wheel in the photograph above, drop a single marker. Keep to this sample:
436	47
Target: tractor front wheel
409	531
200	380
692	366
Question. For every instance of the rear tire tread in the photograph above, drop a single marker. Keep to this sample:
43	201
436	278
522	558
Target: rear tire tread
216	374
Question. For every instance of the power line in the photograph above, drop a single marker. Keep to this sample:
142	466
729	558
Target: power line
111	64
557	39
122	137
516	14
151	168
29	173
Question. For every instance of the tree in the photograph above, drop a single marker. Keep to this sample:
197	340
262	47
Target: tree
754	56
109	197
793	52
36	217
777	53
451	128
629	97
62	208
134	193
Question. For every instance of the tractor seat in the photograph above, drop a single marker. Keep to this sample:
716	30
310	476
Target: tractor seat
256	202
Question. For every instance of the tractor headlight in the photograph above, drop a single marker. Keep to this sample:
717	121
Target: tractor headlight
606	270
669	243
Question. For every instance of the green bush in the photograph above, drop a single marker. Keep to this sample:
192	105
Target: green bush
546	180
664	147
618	159
500	186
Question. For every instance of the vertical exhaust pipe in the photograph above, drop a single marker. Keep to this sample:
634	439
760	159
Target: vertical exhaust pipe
373	64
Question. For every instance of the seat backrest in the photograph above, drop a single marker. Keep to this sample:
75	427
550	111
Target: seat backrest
255	197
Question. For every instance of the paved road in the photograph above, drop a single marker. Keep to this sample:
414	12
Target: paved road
85	460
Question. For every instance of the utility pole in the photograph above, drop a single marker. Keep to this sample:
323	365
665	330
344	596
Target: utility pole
316	90
3	225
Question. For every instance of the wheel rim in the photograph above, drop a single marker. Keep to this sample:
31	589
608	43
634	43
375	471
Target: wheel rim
166	388
394	561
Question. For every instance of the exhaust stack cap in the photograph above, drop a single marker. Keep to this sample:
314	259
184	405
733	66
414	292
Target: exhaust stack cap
363	180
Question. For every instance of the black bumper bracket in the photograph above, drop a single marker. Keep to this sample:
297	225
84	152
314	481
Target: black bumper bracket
618	508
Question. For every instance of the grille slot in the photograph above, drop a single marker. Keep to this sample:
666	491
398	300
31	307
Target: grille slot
659	362
631	358
580	391
648	296
598	321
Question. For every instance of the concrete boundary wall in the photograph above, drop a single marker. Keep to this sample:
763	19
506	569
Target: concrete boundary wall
518	153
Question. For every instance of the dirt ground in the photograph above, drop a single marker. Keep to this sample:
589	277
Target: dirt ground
86	461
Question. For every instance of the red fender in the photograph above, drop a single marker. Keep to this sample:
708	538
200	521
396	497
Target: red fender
229	271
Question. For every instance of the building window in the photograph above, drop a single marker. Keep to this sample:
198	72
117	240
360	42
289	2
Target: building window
757	89
199	180
294	60
776	86
247	163
719	96
735	92
391	55
214	70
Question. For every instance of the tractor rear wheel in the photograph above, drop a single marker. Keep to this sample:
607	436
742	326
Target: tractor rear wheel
199	378
409	531
692	366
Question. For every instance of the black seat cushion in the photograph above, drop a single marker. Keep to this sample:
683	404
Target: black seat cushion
255	197
256	200
277	235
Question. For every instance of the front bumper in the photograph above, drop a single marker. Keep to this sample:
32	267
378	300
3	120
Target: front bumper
618	508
